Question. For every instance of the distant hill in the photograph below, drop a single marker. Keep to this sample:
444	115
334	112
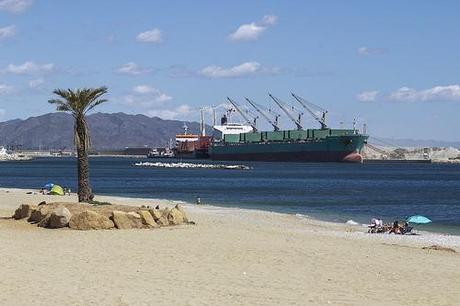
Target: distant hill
420	143
119	130
108	131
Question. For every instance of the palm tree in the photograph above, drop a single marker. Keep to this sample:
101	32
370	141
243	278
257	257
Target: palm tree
78	103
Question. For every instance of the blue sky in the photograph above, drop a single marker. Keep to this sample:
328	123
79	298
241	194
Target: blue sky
393	65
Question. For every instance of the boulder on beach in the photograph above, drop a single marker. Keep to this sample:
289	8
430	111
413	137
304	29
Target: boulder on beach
39	214
147	219
60	217
90	220
177	216
126	220
156	214
163	220
85	216
160	216
24	211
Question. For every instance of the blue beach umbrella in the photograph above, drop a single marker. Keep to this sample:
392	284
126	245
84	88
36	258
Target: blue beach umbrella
418	219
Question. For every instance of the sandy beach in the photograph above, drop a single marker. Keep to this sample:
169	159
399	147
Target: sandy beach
230	257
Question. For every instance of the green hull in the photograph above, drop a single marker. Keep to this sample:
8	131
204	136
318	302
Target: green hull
324	146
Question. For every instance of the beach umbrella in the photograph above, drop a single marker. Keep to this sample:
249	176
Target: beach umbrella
418	219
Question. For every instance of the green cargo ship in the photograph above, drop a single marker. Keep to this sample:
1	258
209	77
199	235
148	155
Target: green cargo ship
312	145
300	145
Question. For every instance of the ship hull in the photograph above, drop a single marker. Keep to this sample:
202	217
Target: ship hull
331	149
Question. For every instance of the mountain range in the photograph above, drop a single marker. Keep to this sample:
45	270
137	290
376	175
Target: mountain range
115	131
108	131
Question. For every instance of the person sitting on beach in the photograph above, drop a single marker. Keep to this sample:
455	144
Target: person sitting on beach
406	228
376	225
395	228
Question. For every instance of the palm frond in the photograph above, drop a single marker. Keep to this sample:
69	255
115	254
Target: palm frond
61	105
94	104
78	102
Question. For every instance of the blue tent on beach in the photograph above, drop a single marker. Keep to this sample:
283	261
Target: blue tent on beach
48	186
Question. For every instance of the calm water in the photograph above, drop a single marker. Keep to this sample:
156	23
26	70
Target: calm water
336	192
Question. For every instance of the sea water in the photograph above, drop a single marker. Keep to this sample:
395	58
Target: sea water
329	191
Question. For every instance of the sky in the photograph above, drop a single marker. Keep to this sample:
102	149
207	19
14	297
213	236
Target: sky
393	65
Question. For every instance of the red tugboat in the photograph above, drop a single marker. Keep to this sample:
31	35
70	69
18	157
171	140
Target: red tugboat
185	144
193	145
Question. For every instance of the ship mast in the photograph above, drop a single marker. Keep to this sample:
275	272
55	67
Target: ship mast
252	124
185	127
280	104
273	123
202	125
303	102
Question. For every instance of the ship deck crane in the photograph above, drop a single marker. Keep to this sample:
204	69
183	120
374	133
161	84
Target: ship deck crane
248	121
280	104
303	102
274	123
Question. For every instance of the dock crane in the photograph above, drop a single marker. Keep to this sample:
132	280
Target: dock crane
280	104
248	121
303	102
274	123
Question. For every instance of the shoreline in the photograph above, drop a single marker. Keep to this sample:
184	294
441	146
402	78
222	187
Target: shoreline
358	231
325	220
231	256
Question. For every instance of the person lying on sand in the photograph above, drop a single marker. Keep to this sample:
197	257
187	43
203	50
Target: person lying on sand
400	228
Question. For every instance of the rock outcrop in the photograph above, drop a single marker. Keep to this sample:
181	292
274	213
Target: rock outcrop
90	220
84	216
126	220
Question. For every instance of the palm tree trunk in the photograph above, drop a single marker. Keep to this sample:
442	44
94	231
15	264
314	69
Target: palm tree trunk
84	189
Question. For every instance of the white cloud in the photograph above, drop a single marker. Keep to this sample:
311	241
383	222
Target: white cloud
154	102
36	83
253	30
437	93
173	113
366	51
7	32
5	89
15	6
144	89
367	96
245	69
29	68
146	96
407	94
2	112
247	32
151	36
132	68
